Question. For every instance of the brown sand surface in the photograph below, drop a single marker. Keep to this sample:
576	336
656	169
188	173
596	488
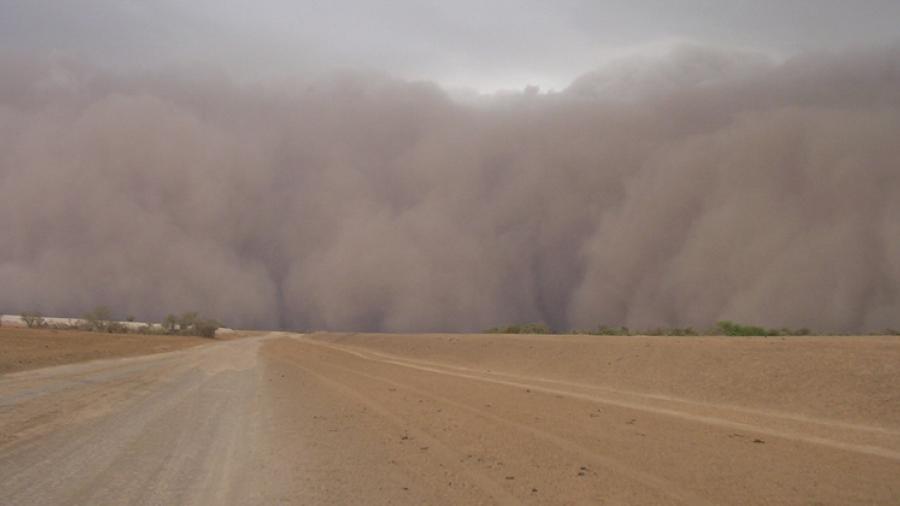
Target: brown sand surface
462	419
22	349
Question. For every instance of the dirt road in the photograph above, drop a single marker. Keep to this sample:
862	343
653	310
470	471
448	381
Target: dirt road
353	419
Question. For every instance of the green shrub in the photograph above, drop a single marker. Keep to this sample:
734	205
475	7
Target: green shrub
527	328
206	328
727	328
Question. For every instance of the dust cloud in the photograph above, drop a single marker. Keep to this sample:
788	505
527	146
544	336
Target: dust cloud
676	190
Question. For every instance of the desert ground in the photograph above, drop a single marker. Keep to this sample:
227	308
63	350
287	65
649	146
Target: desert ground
342	419
24	349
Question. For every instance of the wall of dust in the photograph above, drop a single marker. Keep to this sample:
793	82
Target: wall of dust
698	186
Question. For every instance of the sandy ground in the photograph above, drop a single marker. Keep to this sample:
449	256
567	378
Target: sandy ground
386	419
22	349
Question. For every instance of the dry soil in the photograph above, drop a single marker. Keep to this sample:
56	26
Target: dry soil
22	349
462	419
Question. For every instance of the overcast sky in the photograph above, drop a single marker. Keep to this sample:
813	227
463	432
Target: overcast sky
480	44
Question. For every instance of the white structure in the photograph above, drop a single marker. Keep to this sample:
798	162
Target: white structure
16	321
224	332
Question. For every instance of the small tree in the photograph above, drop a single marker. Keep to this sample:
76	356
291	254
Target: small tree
187	321
170	324
99	319
206	327
34	320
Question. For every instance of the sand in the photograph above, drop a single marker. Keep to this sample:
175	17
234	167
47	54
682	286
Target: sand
336	419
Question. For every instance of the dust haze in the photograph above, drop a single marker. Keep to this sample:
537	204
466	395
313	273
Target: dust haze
704	184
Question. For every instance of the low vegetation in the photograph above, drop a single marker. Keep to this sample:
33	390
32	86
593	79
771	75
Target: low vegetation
190	324
34	320
525	328
727	328
100	319
722	328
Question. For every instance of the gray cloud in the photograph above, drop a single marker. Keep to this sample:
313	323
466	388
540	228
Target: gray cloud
486	45
362	202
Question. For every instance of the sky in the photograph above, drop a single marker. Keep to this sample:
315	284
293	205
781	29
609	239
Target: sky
481	45
393	166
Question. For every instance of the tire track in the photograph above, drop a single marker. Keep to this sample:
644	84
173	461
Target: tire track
661	485
446	454
716	421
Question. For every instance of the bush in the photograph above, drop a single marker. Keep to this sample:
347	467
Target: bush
672	331
190	324
527	328
727	328
34	320
785	331
116	328
170	324
150	329
98	320
603	330
206	328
